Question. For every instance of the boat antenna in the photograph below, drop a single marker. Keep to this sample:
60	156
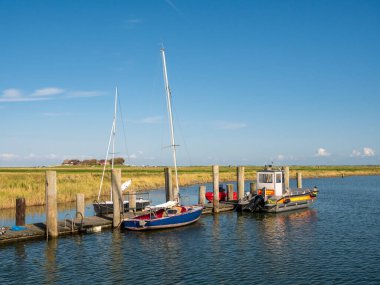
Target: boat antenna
169	107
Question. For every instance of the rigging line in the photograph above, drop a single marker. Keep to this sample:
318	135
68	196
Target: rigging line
181	134
123	127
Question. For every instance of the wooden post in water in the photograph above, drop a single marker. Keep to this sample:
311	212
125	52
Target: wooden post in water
168	184
51	204
215	174
116	196
20	211
286	178
202	195
132	201
230	192
299	179
252	188
240	182
80	206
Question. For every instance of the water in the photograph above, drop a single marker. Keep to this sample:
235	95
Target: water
334	242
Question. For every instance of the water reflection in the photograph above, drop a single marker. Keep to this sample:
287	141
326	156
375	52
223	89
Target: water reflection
50	261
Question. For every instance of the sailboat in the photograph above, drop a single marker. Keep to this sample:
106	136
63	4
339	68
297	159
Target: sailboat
170	214
106	207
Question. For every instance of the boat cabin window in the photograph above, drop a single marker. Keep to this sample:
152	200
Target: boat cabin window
278	177
171	211
265	178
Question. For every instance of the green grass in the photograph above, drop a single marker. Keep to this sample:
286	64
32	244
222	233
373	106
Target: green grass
30	182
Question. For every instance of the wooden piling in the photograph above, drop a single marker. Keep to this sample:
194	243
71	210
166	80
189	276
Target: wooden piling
252	188
51	204
80	206
168	184
215	174
286	178
240	182
230	192
132	202
202	195
116	196
299	179
20	211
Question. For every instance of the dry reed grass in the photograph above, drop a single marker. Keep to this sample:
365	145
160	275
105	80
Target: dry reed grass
30	182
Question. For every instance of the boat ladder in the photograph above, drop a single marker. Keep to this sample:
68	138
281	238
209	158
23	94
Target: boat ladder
72	221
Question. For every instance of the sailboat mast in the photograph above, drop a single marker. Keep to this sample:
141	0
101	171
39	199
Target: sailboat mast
114	129
111	140
169	106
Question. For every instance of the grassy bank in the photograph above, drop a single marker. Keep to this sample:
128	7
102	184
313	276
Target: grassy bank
30	182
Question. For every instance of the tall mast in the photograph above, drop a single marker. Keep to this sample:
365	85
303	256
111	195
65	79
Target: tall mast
114	129
111	140
169	106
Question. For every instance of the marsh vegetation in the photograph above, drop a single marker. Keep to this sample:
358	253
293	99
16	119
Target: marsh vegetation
30	182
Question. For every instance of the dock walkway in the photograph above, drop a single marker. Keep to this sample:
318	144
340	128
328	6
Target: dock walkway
75	226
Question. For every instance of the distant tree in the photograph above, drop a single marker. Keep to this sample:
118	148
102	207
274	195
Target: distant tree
89	162
119	161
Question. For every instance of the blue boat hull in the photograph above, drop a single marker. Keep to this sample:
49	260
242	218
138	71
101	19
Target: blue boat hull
173	221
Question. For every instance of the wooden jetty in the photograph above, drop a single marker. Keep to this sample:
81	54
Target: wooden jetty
53	228
80	226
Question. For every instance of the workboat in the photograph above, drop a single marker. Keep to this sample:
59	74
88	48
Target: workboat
223	195
102	207
273	196
170	214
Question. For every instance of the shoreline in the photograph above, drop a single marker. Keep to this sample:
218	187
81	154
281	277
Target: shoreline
29	183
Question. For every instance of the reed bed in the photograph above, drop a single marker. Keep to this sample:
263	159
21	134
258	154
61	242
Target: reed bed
30	182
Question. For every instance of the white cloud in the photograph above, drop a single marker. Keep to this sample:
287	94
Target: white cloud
52	156
11	93
48	91
280	157
355	153
322	152
8	156
230	126
15	95
133	156
367	151
30	156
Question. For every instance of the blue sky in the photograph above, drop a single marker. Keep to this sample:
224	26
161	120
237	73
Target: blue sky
253	82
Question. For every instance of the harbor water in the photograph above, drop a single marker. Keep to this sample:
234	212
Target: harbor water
336	241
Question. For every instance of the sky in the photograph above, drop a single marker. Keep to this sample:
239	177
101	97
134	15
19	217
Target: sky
253	82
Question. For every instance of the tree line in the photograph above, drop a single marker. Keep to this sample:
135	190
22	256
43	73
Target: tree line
91	162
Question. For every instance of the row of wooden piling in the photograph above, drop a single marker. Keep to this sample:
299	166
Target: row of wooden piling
171	194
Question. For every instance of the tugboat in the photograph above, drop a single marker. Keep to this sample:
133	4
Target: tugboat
273	197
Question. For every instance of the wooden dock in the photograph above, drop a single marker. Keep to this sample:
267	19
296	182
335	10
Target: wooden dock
78	226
